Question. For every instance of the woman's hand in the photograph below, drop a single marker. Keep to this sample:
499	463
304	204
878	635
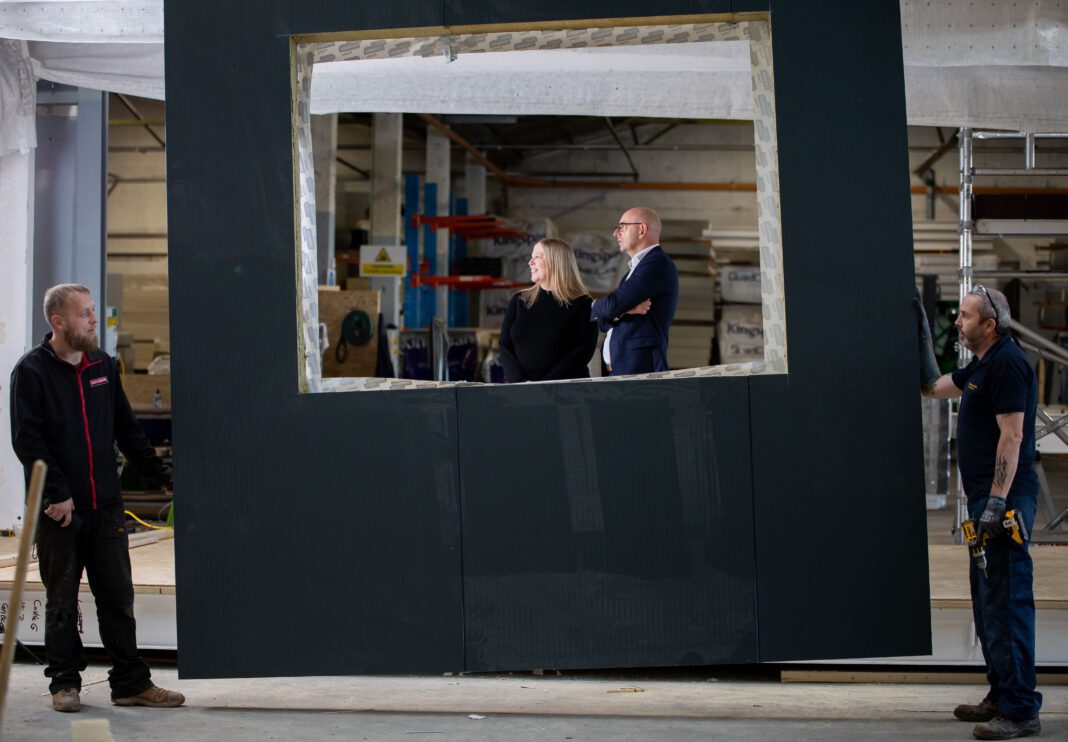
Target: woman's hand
642	308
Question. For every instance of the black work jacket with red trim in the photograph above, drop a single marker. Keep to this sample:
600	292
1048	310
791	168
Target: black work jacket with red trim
71	417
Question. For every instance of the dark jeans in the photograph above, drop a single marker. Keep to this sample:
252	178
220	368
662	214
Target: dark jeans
96	541
1003	606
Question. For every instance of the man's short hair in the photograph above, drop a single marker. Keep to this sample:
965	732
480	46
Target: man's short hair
55	299
993	305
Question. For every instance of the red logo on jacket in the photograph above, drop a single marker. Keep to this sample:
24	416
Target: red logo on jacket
98	381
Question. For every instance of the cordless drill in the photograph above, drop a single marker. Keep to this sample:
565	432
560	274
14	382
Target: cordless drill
1014	529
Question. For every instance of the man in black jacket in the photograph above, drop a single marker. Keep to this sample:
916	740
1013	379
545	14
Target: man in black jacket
69	410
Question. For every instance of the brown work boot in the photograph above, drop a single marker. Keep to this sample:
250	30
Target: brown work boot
154	696
1001	728
985	710
66	700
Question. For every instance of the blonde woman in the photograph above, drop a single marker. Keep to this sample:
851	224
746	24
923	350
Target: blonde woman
547	331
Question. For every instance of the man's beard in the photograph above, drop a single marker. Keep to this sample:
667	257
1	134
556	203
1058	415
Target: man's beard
84	341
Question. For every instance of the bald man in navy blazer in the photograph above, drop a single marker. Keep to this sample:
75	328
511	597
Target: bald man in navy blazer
637	316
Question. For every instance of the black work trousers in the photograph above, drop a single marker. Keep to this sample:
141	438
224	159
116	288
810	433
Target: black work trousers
97	542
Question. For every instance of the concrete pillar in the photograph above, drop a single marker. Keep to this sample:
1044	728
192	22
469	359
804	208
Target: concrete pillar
90	199
324	153
437	171
387	135
70	209
475	185
18	306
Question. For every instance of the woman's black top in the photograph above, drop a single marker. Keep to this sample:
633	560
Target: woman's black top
547	340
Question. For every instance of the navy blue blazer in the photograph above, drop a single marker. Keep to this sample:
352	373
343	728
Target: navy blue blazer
640	341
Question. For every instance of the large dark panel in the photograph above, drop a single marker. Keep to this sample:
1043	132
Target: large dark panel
327	528
838	479
461	12
338	17
607	525
315	533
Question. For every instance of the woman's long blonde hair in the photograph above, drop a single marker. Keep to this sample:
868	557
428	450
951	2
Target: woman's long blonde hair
562	274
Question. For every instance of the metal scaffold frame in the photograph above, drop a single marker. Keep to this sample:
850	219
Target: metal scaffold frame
968	228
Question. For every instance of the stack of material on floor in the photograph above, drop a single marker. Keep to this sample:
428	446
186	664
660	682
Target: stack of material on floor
514	251
694	327
144	320
492	306
741	324
599	260
947	267
733	245
936	246
514	254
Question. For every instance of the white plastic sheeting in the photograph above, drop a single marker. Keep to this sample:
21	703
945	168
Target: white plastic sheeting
700	80
132	69
995	33
1010	97
99	44
18	130
99	21
995	65
982	64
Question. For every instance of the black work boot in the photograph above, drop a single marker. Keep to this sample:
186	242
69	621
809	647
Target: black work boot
983	711
1001	728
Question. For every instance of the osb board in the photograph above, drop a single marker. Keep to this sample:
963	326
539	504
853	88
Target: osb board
949	575
141	389
153	568
333	306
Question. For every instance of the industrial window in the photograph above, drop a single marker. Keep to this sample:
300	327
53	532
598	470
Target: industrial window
687	71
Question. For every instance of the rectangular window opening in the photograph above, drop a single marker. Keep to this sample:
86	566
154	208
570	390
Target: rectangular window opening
448	156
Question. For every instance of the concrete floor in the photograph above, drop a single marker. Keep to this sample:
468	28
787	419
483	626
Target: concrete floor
518	707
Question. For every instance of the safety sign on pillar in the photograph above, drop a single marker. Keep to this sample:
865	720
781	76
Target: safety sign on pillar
383	260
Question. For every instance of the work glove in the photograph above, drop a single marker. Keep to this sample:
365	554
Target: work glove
929	372
167	480
990	522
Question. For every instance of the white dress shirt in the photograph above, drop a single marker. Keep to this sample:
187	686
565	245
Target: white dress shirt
606	351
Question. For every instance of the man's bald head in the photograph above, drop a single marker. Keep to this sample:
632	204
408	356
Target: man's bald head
639	228
647	217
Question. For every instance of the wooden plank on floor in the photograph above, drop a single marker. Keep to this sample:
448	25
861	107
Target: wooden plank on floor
909	677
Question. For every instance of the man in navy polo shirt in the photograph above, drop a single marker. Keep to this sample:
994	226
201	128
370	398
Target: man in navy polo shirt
995	449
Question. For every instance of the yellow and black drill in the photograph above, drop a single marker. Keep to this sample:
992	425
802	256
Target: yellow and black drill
1014	529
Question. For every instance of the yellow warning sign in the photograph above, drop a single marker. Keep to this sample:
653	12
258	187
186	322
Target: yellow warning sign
373	269
379	260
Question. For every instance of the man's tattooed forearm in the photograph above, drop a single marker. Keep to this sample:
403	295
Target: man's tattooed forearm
1001	471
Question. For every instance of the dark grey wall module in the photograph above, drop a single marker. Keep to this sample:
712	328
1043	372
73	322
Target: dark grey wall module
646	523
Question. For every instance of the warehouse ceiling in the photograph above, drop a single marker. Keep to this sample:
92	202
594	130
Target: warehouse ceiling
511	141
996	65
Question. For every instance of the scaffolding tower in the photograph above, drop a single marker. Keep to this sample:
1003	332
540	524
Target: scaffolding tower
1029	339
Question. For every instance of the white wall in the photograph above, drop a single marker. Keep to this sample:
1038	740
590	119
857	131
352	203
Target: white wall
16	242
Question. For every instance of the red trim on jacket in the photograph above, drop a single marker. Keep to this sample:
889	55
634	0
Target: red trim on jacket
85	420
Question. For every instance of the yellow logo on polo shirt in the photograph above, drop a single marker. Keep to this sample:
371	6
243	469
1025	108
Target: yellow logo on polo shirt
972	386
